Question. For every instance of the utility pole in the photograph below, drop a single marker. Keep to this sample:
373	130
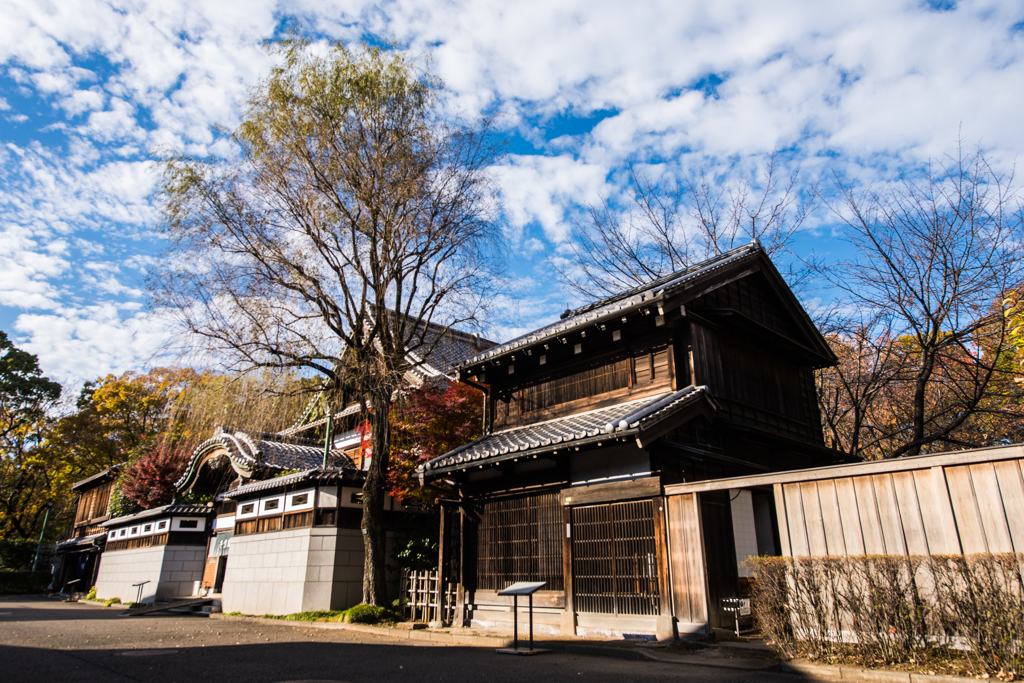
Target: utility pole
39	548
327	439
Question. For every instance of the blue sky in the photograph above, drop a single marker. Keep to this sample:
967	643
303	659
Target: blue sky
89	89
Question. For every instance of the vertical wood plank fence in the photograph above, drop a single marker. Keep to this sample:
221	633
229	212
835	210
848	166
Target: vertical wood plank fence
422	598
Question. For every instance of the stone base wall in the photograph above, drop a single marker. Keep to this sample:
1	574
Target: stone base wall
171	571
299	570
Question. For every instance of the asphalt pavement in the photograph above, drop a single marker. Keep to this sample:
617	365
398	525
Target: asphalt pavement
46	640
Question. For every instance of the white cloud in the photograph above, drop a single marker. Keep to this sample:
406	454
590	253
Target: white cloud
541	190
859	87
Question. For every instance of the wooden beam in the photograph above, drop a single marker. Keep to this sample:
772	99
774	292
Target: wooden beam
615	491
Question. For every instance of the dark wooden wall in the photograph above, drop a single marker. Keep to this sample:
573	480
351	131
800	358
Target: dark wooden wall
638	370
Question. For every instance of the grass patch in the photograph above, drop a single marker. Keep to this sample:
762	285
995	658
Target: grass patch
360	614
112	601
317	615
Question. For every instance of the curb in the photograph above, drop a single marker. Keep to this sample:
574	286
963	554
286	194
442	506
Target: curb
420	635
847	673
818	672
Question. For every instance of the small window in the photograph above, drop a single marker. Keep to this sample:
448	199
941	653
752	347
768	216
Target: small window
356	499
162	525
147	528
300	499
272	504
248	508
123	532
189	524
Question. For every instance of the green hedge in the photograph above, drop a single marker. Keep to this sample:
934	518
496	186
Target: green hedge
23	583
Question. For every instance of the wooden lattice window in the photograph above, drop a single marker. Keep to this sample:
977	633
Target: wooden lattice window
615	559
520	539
583	384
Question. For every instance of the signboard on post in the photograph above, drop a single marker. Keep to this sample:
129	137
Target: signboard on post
527	588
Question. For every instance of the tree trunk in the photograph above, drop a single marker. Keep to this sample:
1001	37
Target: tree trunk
375	589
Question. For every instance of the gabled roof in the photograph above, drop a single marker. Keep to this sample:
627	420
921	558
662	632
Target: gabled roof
444	349
656	293
98	479
635	419
174	509
250	452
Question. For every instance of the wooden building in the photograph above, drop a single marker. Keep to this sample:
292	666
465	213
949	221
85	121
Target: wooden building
704	374
77	558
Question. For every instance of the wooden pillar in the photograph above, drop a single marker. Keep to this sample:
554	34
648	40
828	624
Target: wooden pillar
442	562
568	626
459	618
666	621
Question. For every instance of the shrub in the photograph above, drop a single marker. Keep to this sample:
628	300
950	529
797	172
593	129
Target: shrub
369	614
91	595
893	609
112	601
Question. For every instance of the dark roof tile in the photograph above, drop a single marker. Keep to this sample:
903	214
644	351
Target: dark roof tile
612	421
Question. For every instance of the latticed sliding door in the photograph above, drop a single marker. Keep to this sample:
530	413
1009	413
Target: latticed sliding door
614	559
520	539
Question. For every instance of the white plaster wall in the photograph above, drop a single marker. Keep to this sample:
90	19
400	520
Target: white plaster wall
298	570
744	530
170	569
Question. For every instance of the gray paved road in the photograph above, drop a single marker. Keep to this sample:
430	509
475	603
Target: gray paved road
45	640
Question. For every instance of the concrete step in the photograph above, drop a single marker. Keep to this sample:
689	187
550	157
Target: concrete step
172	605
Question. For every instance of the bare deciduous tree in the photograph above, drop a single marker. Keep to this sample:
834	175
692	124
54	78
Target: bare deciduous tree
353	217
675	224
936	256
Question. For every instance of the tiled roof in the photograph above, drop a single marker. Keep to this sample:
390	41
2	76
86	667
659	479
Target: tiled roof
176	509
314	475
350	410
619	420
448	348
73	543
618	304
109	473
252	451
444	348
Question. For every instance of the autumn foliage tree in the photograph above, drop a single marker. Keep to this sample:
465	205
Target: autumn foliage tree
149	481
427	422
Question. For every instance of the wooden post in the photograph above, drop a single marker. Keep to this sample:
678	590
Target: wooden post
666	621
660	542
442	559
460	597
568	626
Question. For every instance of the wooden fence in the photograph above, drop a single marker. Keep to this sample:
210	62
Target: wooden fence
421	599
947	503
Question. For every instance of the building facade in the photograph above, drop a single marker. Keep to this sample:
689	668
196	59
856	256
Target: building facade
705	374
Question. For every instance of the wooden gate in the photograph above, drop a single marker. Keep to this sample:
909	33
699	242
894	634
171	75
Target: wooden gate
423	598
615	559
